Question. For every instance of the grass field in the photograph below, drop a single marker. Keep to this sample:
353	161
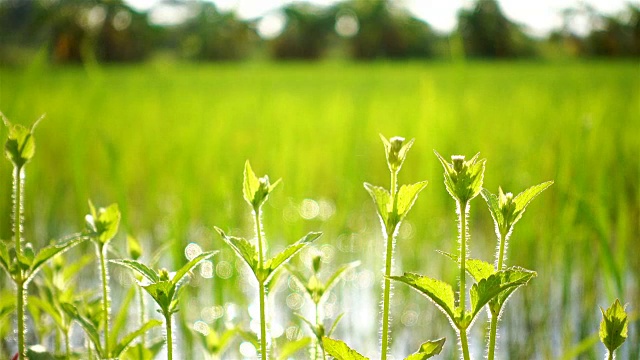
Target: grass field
168	143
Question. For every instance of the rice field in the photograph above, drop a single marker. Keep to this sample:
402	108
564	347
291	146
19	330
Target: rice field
168	143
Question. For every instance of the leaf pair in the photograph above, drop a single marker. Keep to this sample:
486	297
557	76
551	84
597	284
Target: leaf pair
20	146
392	214
256	190
26	265
494	285
102	223
248	253
341	351
314	288
162	286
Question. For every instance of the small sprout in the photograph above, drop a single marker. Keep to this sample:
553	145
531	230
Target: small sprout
20	146
463	179
103	223
256	190
317	262
614	327
396	150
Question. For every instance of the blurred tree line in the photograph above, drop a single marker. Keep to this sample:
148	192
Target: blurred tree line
111	31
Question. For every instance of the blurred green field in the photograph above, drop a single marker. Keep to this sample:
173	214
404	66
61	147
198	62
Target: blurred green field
168	143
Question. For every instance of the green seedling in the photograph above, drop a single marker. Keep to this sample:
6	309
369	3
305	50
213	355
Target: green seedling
164	287
317	292
613	328
463	181
216	343
392	206
505	210
18	259
101	227
341	351
256	192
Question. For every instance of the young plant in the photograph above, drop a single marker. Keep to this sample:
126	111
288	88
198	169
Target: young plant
102	225
506	210
392	205
164	288
317	291
18	259
256	192
613	328
463	181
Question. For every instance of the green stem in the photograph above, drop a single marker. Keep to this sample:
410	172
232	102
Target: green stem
263	322
386	297
102	249
318	348
492	336
22	329
493	327
142	316
67	344
462	220
167	317
465	344
18	209
610	356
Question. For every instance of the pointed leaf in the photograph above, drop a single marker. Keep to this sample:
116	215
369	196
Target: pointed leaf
524	198
335	324
89	328
479	269
250	184
428	349
139	268
339	350
245	250
20	146
314	329
437	291
382	199
184	270
49	252
407	196
126	341
162	293
494	208
614	326
487	289
4	257
293	347
103	223
335	277
48	308
274	263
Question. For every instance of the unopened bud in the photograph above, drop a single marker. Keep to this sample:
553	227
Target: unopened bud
317	262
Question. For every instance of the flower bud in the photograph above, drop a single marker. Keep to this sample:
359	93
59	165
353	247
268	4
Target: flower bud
463	179
396	150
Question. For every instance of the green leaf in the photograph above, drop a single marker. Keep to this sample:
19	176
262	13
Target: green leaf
122	318
245	250
437	291
48	308
50	251
407	196
139	268
126	341
493	204
335	324
5	261
293	347
382	199
162	292
478	269
184	270
20	146
89	328
523	199
317	330
614	326
274	263
103	223
489	288
335	277
250	184
463	179
339	350
428	349
39	352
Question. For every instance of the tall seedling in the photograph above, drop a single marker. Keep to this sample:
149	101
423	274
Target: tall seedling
18	258
392	205
256	192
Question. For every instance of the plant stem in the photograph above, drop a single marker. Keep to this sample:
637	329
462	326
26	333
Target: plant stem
22	329
18	209
493	327
142	316
387	271
318	346
167	317
465	344
102	250
67	344
610	355
263	325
